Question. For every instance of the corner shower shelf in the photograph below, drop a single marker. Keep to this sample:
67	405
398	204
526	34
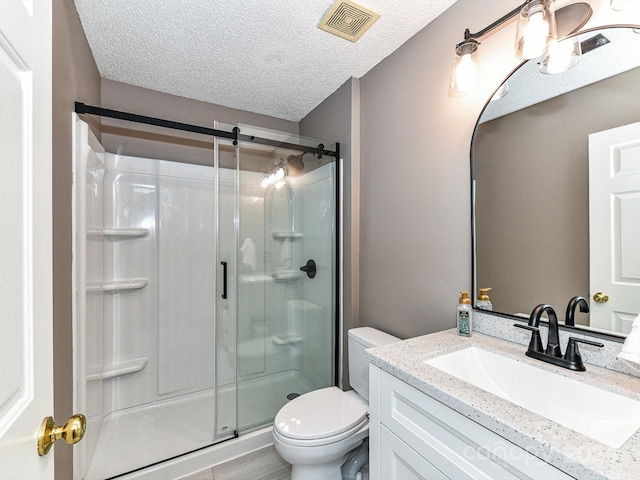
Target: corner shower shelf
246	278
286	235
286	338
118	233
119	286
287	275
119	369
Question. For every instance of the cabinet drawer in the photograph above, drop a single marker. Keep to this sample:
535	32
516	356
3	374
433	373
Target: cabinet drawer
454	444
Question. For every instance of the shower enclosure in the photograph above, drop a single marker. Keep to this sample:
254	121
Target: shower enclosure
206	294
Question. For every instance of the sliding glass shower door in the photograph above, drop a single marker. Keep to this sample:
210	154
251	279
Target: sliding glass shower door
286	318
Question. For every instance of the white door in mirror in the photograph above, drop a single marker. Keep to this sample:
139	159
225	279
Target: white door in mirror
614	200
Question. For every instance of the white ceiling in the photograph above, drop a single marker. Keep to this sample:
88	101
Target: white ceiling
266	57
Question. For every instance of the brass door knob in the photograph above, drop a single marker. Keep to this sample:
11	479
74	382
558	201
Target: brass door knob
601	297
72	432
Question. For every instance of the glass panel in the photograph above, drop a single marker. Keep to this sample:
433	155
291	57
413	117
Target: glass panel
286	319
226	307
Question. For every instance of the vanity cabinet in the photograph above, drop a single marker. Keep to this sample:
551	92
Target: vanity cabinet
414	436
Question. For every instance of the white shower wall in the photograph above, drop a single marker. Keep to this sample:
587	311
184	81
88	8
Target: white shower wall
168	325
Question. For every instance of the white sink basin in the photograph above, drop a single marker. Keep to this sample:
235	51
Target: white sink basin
601	415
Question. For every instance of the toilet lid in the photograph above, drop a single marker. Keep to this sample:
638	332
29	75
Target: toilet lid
319	414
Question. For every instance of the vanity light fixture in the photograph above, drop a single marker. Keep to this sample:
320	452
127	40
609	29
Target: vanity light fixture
536	29
463	75
567	53
561	56
540	29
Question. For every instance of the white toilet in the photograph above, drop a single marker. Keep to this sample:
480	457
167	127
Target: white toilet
319	431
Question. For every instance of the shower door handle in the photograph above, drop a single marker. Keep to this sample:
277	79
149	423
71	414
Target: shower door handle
224	280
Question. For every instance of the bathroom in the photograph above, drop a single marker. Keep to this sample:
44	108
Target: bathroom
405	144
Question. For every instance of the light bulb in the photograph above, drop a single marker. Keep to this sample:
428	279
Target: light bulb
536	28
279	174
535	36
265	182
465	75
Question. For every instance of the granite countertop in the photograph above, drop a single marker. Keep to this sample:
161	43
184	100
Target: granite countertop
569	451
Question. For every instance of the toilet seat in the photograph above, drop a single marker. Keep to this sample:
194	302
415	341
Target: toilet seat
320	442
320	417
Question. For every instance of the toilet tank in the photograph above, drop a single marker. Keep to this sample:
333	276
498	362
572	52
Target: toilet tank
359	340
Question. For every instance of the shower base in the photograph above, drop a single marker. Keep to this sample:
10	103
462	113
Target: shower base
139	436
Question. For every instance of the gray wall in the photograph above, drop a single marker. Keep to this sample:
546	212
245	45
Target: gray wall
415	243
75	77
338	119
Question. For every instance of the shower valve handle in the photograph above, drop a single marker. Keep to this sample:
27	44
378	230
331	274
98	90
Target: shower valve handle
309	268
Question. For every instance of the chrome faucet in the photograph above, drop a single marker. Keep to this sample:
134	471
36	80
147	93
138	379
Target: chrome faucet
569	318
553	352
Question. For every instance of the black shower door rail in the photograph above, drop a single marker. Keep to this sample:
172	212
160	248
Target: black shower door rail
235	134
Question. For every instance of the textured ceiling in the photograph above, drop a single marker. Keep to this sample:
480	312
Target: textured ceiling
262	56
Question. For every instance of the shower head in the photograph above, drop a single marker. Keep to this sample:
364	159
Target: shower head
295	161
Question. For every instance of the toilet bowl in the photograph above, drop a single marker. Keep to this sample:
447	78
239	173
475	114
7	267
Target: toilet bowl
317	432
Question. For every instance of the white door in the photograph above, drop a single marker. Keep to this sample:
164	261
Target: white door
614	219
26	373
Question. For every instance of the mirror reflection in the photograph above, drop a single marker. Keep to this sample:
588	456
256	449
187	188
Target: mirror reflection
556	178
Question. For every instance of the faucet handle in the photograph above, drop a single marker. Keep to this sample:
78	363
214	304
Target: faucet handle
572	355
535	345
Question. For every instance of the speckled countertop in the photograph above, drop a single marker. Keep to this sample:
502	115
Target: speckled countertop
569	451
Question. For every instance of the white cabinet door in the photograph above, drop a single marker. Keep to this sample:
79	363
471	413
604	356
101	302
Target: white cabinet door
614	233
401	462
26	371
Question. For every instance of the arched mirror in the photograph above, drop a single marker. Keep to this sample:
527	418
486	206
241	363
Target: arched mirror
556	187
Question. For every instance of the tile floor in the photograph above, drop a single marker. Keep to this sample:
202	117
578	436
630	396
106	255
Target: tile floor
263	464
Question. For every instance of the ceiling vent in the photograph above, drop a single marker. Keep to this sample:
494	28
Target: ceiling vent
348	20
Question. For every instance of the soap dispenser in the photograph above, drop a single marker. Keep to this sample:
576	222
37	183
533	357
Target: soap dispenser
483	302
464	315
